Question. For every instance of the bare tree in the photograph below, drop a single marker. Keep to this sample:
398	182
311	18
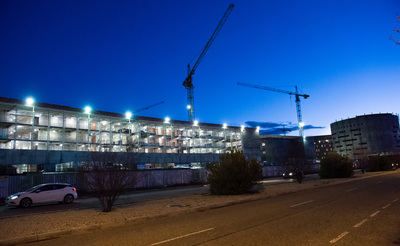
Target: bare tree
107	177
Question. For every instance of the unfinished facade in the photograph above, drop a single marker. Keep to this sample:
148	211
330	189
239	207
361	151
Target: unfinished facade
49	127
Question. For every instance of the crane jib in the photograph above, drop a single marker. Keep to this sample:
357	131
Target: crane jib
188	83
296	94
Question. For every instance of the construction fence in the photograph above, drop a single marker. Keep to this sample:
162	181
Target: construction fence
145	179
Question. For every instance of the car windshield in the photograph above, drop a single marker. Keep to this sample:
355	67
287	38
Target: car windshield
33	188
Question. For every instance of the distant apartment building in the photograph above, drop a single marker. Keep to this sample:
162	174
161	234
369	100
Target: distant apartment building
283	150
48	134
317	147
365	135
277	150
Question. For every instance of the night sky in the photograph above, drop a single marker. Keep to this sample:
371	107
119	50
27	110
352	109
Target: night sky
120	55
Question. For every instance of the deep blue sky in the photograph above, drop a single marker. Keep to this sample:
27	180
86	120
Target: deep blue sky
119	55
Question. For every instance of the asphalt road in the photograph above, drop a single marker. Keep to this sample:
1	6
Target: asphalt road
124	200
362	212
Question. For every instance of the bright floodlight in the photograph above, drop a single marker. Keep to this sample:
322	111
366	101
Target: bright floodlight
224	126
87	109
128	115
301	124
257	129
30	101
242	128
167	120
188	107
196	123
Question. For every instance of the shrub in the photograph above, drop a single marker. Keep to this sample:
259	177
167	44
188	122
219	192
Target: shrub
378	163
233	174
335	166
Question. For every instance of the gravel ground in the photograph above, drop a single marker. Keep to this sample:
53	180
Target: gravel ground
76	220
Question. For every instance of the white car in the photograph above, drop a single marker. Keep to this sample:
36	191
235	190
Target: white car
44	193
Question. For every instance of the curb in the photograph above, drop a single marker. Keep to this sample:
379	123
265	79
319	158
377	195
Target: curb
55	234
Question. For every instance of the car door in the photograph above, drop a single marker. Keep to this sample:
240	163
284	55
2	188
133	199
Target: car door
42	194
58	192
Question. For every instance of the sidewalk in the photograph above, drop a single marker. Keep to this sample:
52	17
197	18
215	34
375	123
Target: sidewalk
34	227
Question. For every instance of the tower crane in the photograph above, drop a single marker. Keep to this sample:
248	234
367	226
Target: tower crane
188	82
291	93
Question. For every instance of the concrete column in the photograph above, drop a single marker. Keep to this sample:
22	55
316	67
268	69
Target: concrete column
15	128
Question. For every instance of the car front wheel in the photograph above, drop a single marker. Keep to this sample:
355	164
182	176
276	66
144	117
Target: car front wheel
69	199
26	203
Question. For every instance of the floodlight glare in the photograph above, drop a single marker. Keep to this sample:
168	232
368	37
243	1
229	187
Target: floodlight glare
128	115
167	120
87	110
188	107
301	124
196	123
242	128
257	129
30	101
224	126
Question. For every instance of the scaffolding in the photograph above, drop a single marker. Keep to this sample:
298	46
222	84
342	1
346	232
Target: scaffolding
54	127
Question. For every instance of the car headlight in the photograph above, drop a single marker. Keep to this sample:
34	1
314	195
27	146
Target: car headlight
290	174
14	197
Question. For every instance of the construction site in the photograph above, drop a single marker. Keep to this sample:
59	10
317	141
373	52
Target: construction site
48	127
40	136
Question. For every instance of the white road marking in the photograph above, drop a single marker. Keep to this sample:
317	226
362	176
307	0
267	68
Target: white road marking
183	236
302	203
339	237
360	223
386	206
374	214
350	190
395	200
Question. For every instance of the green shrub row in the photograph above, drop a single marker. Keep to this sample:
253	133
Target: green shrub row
233	174
335	166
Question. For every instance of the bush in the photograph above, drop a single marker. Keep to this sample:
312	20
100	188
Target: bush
233	174
335	166
378	163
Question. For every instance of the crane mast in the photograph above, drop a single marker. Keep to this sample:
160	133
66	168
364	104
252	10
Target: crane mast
297	100
188	82
299	115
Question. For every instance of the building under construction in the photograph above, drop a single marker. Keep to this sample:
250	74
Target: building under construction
34	134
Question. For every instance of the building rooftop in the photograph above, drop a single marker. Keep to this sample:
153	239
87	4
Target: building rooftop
14	101
367	115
